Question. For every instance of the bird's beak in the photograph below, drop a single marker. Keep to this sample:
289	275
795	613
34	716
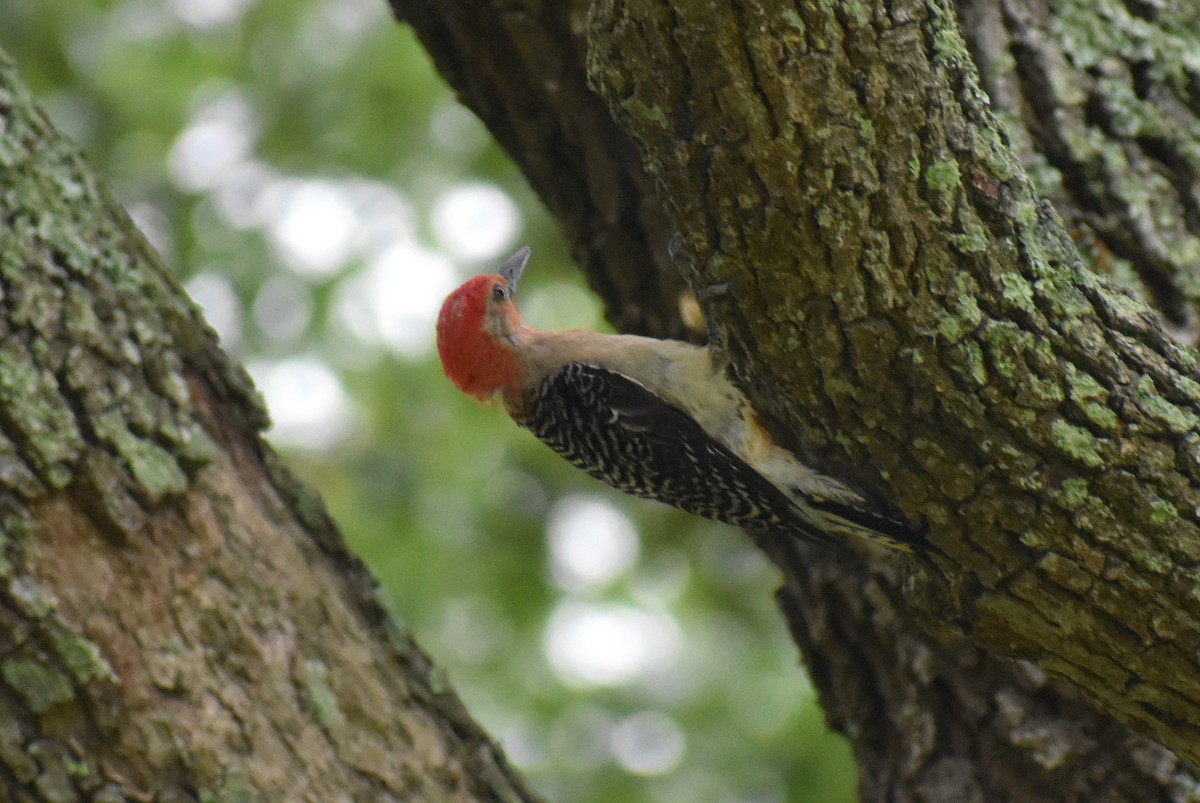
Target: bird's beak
513	267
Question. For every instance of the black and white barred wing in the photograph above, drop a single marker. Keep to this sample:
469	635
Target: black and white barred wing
619	432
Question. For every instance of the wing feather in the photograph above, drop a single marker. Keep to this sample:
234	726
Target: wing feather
619	432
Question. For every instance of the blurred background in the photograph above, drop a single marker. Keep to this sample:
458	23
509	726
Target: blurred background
318	191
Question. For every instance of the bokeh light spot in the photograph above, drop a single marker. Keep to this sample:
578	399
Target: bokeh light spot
475	221
593	644
591	542
314	230
648	743
394	300
214	295
309	408
220	137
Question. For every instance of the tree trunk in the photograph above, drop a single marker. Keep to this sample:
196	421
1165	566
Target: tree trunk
890	284
181	620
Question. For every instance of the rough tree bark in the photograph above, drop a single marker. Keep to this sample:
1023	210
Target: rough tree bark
904	299
898	296
179	619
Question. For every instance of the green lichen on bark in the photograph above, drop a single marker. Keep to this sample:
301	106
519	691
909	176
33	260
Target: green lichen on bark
41	420
233	789
1076	442
93	397
1031	380
81	657
942	180
1105	92
41	687
85	323
80	274
322	699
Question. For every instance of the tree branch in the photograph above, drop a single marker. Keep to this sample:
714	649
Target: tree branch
915	309
181	620
919	323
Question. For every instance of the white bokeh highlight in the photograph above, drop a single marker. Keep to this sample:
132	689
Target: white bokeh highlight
247	196
455	128
394	300
208	14
220	137
335	28
648	743
214	294
309	408
314	227
591	543
604	644
283	308
475	221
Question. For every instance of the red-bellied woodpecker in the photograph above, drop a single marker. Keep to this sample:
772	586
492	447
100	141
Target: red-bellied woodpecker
657	419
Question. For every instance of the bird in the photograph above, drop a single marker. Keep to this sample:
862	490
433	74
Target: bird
656	418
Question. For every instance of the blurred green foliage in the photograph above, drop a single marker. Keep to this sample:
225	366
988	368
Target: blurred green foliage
445	499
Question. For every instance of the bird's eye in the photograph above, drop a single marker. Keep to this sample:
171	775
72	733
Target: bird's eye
499	292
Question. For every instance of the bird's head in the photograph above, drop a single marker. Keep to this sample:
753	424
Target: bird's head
475	331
